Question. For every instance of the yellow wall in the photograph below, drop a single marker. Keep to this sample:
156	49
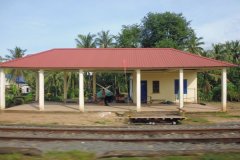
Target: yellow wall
166	80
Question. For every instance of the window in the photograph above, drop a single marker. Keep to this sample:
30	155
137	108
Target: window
176	86
155	86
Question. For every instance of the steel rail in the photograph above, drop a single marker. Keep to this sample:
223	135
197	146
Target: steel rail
117	131
189	140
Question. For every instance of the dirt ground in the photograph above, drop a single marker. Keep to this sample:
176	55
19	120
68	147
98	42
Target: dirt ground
111	118
85	119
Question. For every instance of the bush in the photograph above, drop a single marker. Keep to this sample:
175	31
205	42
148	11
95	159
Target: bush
217	92
18	100
9	100
28	98
50	97
205	96
232	93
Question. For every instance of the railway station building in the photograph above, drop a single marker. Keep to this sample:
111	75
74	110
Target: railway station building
155	73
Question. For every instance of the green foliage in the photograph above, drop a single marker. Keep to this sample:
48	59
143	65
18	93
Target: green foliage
194	44
115	80
15	53
86	41
233	94
166	43
165	28
54	83
209	83
196	120
28	98
105	40
9	100
129	36
70	155
18	100
13	89
11	92
78	155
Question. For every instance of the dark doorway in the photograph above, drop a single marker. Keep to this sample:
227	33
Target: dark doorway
143	91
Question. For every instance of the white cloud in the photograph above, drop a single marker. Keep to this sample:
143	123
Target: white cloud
220	31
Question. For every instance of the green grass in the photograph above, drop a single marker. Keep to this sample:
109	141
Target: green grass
195	120
71	155
77	155
219	156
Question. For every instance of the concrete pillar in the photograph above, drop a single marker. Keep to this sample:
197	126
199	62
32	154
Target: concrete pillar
138	90
41	89
94	84
81	91
2	89
224	89
37	88
65	87
181	93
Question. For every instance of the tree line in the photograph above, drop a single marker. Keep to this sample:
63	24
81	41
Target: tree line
155	30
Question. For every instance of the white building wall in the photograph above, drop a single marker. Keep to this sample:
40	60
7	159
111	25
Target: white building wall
166	80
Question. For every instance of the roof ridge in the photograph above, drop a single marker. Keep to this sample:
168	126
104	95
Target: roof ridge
27	56
110	48
211	59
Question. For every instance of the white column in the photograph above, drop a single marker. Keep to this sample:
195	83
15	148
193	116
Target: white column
41	89
2	89
181	93
65	87
37	88
94	84
224	89
138	89
81	91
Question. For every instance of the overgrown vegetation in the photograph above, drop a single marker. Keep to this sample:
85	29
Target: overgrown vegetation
14	96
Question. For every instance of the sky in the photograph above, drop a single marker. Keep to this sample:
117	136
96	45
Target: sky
38	25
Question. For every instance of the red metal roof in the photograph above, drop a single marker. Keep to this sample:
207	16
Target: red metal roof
114	58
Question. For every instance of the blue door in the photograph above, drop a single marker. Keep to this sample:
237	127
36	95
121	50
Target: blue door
144	91
176	86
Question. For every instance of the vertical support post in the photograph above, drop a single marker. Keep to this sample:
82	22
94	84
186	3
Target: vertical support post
41	89
138	89
2	89
181	88
224	89
94	85
65	87
81	91
37	88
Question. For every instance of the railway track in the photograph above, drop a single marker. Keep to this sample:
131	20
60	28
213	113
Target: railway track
117	131
222	135
189	140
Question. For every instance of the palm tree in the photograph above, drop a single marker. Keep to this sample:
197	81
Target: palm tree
105	40
233	51
218	52
54	83
15	53
194	45
86	41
